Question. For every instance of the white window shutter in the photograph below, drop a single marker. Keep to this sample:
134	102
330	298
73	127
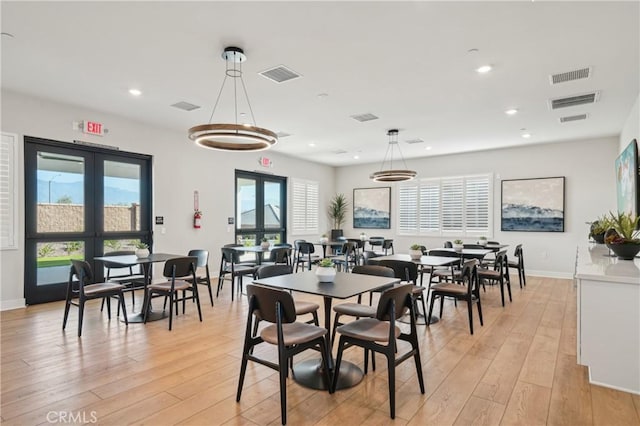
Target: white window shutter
407	212
8	192
305	196
429	207
452	205
477	204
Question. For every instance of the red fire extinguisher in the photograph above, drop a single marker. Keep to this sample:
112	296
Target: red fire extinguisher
197	215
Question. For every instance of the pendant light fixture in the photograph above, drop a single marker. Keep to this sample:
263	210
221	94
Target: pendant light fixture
391	174
233	136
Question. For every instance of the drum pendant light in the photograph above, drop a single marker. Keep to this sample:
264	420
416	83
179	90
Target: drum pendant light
391	174
233	136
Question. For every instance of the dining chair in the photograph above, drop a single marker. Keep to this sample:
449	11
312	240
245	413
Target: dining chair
375	242
467	289
519	265
445	272
125	275
83	289
288	335
367	255
448	244
230	265
380	334
347	258
279	255
499	274
176	271
306	255
408	272
386	246
202	270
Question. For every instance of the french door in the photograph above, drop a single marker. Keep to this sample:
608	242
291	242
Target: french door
80	202
261	208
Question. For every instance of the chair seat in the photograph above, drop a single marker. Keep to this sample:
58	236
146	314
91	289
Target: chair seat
369	329
514	263
126	278
166	285
241	270
489	273
417	289
305	307
355	310
449	288
93	289
294	333
445	273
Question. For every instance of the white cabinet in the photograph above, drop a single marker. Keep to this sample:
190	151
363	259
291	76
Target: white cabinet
608	337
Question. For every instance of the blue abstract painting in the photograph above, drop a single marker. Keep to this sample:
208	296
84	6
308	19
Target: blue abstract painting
372	208
535	205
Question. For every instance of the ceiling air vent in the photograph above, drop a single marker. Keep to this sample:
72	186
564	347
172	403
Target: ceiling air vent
570	118
563	77
364	117
280	74
571	101
339	151
282	134
186	106
413	141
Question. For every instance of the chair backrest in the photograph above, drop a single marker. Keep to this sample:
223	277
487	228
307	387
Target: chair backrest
230	255
401	296
443	253
357	241
387	244
263	301
202	255
180	267
377	270
405	271
469	275
448	244
376	241
280	255
502	263
424	250
518	252
473	246
495	243
267	271
305	248
82	270
368	254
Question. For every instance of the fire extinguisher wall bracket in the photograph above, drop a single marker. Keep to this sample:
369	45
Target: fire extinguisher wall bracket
197	215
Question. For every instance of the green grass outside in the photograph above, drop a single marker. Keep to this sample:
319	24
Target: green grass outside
48	262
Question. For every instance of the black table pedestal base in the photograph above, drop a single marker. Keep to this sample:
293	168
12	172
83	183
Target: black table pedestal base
309	374
420	319
152	316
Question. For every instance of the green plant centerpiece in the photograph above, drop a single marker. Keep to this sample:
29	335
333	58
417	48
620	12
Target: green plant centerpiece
598	228
264	243
142	249
326	272
457	245
337	212
482	241
415	251
622	238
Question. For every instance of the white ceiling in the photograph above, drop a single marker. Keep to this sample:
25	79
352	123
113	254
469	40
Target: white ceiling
406	62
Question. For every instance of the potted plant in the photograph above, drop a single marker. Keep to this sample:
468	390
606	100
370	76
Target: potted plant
337	212
482	241
599	227
363	236
326	271
142	249
623	240
324	239
415	251
265	243
457	245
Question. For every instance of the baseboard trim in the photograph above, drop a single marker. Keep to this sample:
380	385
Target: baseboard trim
7	305
549	274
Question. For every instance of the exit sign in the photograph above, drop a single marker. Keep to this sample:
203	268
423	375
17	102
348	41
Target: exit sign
93	128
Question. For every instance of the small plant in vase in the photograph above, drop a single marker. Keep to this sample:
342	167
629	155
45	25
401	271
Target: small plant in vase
264	244
142	249
599	227
363	236
326	271
415	251
622	239
482	241
457	245
324	239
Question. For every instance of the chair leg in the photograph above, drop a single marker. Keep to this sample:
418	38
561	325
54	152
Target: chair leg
284	370
335	327
81	315
470	311
502	292
315	319
210	291
480	311
108	307
325	352
428	318
508	282
248	348
197	297
441	305
391	367
336	365
171	311
66	310
124	308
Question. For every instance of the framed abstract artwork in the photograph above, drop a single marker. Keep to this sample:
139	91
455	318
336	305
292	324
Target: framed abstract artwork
533	205
372	208
627	192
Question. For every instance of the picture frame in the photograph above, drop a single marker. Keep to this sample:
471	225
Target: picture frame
372	208
627	191
533	205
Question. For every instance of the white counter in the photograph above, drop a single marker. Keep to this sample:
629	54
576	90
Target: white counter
608	336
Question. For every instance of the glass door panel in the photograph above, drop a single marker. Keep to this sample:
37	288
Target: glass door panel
272	201
54	260
121	187
246	203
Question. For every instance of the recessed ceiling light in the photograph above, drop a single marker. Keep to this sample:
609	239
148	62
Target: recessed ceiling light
312	144
428	148
511	111
135	92
526	135
483	69
355	157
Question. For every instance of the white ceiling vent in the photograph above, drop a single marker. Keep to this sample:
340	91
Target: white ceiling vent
280	74
414	141
570	118
563	77
282	134
587	98
364	117
339	151
185	106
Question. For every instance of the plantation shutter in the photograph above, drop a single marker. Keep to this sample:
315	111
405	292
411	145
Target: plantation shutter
8	182
305	196
407	211
452	205
429	206
477	204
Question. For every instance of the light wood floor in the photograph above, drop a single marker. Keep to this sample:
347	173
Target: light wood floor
520	368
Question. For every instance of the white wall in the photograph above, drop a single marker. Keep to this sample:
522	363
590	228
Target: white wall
588	166
631	128
179	168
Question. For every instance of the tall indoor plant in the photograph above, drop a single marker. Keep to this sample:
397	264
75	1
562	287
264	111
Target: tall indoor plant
337	212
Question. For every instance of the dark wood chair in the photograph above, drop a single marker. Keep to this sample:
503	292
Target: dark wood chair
176	271
367	255
231	265
519	265
407	272
202	270
467	290
306	255
386	246
290	337
499	274
348	258
380	334
376	242
83	289
279	255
